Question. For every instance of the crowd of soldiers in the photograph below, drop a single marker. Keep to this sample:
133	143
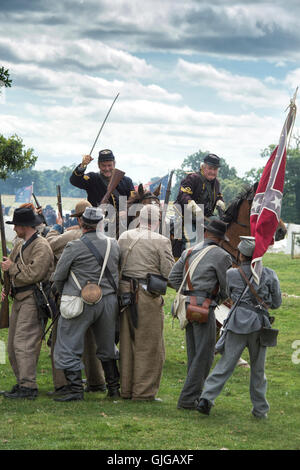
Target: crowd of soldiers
105	298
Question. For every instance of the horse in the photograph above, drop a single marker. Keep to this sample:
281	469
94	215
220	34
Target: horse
237	216
142	196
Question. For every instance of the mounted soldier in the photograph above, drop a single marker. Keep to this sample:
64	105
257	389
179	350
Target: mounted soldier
96	184
202	187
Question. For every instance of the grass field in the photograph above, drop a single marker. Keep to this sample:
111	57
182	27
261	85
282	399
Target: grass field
68	202
99	423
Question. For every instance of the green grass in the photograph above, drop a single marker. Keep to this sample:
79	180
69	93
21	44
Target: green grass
99	423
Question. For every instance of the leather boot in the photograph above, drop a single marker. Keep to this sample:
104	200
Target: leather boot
112	378
22	392
75	386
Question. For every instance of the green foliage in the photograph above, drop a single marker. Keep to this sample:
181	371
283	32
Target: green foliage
44	182
13	157
4	78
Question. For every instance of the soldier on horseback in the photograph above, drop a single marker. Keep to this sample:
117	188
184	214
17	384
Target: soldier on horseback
202	187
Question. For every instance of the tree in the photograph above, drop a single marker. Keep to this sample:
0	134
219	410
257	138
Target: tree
290	211
13	157
4	78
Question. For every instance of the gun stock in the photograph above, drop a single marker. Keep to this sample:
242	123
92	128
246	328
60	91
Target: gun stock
114	181
59	203
4	311
38	206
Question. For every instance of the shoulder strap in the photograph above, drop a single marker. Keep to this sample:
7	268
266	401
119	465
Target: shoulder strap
100	260
253	291
128	252
194	264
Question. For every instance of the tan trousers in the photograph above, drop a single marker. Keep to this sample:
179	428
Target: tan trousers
142	351
24	341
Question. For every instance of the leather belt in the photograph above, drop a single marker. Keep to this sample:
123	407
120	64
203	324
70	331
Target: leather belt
196	293
129	279
17	290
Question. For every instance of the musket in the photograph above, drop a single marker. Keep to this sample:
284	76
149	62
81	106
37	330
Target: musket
4	312
102	125
115	179
38	206
59	203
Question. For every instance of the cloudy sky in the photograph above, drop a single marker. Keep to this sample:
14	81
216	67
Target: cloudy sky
212	75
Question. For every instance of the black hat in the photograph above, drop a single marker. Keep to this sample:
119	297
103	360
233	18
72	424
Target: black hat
212	160
92	215
26	217
106	155
218	228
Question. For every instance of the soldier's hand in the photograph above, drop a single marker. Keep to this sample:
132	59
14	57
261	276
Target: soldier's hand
86	160
3	295
196	210
221	204
6	263
59	219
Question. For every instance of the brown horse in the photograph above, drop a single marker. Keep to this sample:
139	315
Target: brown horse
141	196
237	215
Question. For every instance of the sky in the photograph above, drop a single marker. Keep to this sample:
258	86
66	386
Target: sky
191	75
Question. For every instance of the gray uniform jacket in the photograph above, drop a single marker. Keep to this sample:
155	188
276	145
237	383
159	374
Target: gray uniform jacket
78	258
245	320
212	268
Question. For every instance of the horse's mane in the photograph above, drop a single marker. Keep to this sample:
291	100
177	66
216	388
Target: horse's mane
232	211
141	194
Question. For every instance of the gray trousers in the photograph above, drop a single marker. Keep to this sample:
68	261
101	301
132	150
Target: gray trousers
200	344
69	346
234	346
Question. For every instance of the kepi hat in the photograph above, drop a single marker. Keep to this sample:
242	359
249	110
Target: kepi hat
92	215
106	155
212	160
246	245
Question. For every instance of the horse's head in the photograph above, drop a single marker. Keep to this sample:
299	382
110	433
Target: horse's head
142	196
281	231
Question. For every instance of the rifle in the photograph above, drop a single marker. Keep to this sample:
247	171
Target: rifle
59	203
38	206
115	179
4	312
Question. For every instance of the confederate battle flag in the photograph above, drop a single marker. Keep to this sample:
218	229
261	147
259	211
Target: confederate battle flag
266	205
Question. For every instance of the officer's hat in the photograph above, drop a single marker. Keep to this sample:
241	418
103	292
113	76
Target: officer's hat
212	160
106	155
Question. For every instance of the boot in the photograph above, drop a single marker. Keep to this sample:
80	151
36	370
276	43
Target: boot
112	378
59	391
22	392
75	386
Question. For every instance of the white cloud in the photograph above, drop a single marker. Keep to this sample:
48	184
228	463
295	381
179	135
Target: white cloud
231	87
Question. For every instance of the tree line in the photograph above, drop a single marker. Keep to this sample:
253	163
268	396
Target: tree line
17	170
